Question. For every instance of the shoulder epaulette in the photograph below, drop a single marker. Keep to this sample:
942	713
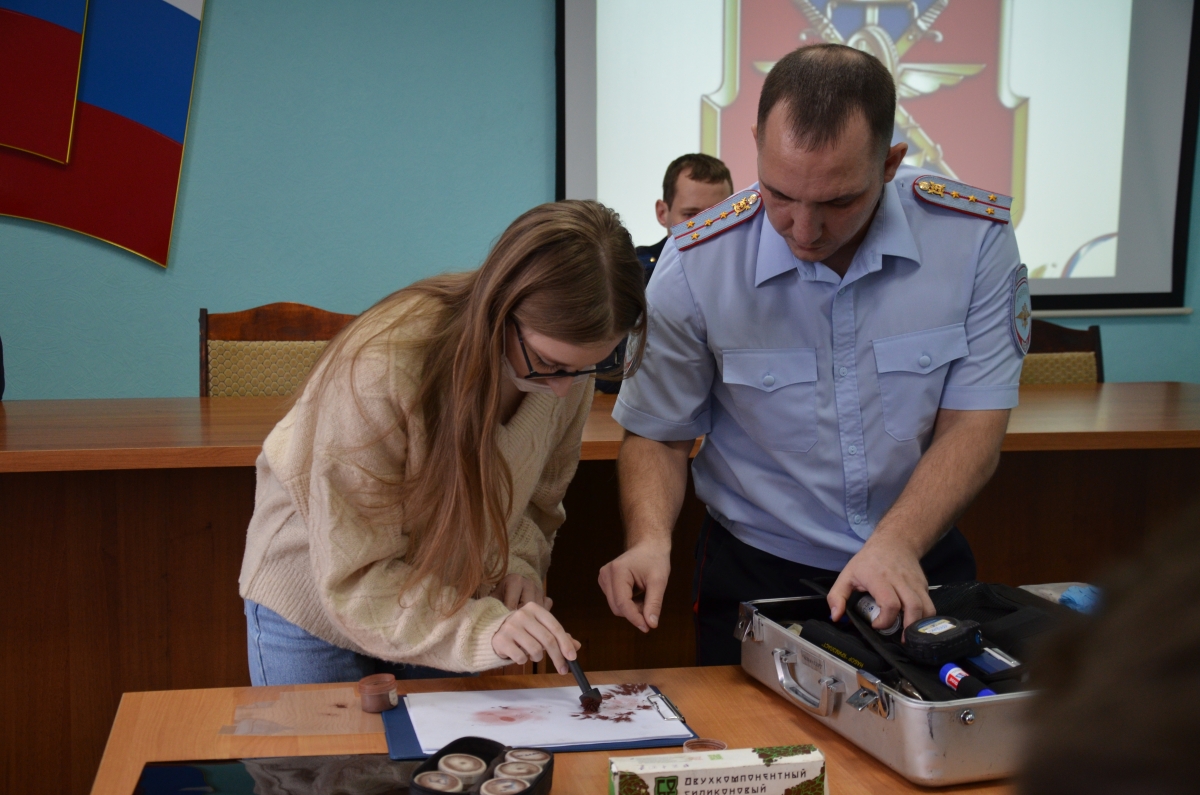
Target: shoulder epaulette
963	198
738	208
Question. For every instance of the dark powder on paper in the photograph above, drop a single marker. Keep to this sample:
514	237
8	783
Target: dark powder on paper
620	703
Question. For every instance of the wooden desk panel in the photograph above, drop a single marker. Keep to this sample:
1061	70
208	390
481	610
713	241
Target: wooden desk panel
718	702
176	433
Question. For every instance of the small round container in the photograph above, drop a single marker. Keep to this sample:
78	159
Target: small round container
377	693
438	781
530	755
503	786
698	744
526	771
467	768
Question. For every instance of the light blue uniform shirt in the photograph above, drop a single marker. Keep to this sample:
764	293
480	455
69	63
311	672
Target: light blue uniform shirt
818	394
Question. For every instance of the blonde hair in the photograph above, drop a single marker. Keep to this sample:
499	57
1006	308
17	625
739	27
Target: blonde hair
566	270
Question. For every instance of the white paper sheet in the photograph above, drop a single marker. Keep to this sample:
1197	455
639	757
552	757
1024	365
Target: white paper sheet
543	717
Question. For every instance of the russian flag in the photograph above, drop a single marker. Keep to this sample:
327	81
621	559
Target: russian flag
135	87
40	45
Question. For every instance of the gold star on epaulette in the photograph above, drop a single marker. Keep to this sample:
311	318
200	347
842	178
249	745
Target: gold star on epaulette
691	224
695	235
724	215
964	198
709	222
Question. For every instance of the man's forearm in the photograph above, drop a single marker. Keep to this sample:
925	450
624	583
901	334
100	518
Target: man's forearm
653	480
958	464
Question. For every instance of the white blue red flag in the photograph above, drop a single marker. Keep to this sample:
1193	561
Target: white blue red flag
120	180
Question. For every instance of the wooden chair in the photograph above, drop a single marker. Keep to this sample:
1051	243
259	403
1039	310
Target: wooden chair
264	351
1059	355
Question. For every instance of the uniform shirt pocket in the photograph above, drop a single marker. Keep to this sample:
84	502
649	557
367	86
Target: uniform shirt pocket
912	370
774	395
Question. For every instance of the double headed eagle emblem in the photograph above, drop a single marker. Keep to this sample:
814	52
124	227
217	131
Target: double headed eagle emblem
912	79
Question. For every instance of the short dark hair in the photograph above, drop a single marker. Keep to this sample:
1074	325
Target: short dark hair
702	168
823	86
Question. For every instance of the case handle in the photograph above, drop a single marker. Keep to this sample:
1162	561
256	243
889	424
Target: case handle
821	705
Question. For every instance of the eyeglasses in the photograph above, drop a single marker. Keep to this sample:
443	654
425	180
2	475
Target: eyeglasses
614	364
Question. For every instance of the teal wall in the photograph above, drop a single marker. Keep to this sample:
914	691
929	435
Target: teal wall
336	152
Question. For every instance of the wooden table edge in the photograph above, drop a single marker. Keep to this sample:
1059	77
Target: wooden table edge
1066	441
92	459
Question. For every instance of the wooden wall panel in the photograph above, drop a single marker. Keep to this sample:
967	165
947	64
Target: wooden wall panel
114	582
1063	516
117	581
592	536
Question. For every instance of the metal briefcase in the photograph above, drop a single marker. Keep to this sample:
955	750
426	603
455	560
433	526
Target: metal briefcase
934	743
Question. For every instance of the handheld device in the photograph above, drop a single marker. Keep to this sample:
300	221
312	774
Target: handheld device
940	639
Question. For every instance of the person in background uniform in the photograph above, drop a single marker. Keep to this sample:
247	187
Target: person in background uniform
847	335
693	183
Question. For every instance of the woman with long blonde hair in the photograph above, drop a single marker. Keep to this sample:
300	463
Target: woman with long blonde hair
407	503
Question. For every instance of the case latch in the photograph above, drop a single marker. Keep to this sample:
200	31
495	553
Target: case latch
870	695
749	625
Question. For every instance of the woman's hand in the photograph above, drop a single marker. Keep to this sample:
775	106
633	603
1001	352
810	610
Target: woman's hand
531	632
515	591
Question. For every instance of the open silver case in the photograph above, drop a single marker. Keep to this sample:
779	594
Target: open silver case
933	743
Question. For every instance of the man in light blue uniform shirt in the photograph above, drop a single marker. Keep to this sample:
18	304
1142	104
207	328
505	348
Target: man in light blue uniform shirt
846	341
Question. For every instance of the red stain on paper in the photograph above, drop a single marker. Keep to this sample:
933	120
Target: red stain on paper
503	716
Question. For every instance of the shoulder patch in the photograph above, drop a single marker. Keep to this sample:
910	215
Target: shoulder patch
738	208
1021	310
963	198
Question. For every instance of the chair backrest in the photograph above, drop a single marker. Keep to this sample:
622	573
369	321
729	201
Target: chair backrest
264	351
1060	355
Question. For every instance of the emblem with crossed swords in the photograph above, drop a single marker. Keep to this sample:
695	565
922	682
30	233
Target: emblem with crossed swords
912	79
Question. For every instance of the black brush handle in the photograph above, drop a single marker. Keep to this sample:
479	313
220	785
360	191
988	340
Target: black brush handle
580	679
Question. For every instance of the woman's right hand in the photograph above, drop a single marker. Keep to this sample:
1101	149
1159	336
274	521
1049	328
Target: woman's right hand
532	632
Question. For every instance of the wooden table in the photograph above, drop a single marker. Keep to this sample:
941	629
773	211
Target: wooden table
122	527
721	702
179	433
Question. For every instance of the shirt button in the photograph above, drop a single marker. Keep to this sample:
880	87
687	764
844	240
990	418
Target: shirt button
857	519
842	371
924	361
842	291
768	380
853	450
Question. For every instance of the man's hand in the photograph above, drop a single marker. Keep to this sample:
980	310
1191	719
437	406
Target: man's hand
515	591
963	455
889	570
653	480
643	568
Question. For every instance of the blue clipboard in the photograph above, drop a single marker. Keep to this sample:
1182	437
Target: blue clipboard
403	744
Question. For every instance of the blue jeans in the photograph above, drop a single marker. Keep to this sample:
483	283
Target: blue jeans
282	653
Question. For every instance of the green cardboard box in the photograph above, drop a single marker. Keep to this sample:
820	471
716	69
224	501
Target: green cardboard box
778	770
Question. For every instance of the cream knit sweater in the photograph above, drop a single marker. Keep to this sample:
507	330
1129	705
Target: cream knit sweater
326	552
